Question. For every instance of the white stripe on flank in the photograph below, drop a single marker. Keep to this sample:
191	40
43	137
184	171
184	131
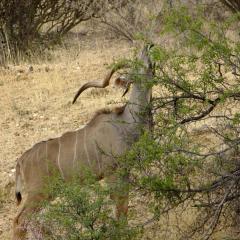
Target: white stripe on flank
75	150
47	157
85	147
97	156
37	157
58	160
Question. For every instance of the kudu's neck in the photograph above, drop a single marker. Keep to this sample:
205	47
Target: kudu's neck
138	107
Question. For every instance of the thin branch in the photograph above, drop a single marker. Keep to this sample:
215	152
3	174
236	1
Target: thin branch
217	214
202	115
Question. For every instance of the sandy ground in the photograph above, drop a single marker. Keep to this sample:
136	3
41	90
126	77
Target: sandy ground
37	105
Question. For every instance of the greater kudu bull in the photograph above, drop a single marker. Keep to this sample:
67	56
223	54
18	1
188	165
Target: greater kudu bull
96	146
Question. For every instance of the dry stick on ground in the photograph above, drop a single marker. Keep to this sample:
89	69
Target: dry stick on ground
233	5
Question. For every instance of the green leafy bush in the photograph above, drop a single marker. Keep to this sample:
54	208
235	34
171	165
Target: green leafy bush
191	159
80	210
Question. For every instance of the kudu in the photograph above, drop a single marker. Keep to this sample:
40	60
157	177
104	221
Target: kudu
96	146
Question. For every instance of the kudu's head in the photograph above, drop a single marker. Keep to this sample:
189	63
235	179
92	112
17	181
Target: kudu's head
121	82
142	73
124	81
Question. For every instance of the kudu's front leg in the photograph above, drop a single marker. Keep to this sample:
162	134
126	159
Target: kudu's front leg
119	193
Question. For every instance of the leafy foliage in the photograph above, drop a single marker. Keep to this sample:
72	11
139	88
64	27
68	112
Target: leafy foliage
81	210
192	156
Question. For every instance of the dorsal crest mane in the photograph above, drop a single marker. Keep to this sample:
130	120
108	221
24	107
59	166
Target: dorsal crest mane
116	110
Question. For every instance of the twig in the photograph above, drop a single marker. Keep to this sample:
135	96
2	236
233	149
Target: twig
217	214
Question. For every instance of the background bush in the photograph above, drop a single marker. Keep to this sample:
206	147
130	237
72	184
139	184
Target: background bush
26	24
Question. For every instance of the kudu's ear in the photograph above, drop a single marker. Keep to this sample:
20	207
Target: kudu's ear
144	55
121	82
124	83
146	58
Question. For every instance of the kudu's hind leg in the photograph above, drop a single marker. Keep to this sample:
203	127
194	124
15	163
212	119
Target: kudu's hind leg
119	187
19	232
22	219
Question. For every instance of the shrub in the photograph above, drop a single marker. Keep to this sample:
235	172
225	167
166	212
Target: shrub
25	24
81	210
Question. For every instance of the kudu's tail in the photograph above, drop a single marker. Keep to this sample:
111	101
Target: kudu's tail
18	189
